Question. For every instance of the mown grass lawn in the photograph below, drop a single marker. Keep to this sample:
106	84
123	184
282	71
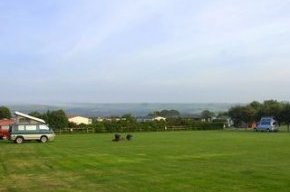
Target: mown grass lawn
168	161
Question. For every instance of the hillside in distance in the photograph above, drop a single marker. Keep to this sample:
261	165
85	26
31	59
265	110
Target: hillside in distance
118	109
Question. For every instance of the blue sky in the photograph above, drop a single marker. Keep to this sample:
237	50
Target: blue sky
61	51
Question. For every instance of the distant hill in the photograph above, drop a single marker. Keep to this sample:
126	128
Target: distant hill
29	108
118	109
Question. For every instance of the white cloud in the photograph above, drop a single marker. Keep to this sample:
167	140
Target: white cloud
119	18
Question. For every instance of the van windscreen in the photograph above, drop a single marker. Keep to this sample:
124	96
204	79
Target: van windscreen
265	122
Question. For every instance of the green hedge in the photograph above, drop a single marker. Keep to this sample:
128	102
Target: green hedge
113	127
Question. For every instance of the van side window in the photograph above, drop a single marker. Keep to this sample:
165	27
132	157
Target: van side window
20	127
30	127
43	127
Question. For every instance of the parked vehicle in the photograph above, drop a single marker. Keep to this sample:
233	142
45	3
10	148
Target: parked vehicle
4	128
4	132
267	124
27	127
20	133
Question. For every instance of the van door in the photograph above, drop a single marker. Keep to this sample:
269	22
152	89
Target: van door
31	132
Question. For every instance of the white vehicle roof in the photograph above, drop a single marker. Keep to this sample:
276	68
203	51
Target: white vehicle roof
29	117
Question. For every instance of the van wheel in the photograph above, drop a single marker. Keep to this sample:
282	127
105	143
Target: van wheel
19	140
43	139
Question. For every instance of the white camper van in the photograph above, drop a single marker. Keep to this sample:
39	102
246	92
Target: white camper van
26	127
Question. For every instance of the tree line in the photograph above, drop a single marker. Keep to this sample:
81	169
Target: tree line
240	114
255	110
58	120
170	124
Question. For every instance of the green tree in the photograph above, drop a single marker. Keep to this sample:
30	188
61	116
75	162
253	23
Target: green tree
248	114
255	110
256	105
271	108
129	118
99	127
207	115
5	113
170	113
236	114
165	113
154	114
57	119
72	125
223	114
285	115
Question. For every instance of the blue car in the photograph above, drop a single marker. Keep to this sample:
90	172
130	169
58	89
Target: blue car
268	124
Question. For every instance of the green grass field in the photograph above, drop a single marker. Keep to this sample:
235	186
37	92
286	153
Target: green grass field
168	161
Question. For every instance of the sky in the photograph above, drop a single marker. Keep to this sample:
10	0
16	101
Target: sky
130	51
